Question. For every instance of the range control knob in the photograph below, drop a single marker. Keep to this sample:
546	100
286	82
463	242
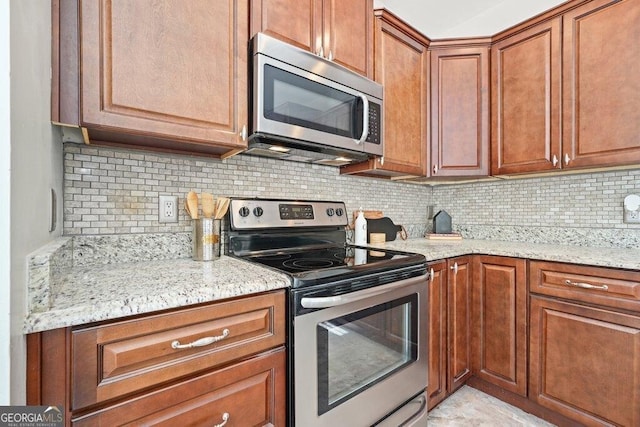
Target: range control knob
339	212
244	211
330	211
257	211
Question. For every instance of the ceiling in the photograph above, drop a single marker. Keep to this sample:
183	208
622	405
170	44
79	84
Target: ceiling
439	19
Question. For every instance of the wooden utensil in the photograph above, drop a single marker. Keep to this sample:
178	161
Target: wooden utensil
208	206
222	205
186	207
192	204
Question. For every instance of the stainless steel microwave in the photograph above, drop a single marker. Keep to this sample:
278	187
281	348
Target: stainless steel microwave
307	108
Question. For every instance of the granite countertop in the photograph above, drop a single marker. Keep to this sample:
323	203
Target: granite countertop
598	256
63	293
88	294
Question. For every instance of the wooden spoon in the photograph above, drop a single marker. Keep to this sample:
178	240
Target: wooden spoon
192	204
208	207
222	205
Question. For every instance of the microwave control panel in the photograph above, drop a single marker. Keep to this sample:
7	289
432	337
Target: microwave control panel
374	123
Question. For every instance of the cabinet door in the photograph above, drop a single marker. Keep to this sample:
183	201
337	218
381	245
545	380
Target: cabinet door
460	111
499	337
459	321
585	362
401	66
298	23
525	101
348	34
601	89
166	70
437	386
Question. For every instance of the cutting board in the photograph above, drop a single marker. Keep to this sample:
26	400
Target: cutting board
368	214
386	226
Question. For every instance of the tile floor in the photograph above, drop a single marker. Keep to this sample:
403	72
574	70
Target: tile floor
470	407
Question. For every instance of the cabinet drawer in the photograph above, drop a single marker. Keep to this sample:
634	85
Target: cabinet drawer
597	285
114	360
251	393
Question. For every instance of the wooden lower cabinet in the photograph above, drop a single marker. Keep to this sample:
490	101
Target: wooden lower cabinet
499	339
249	393
449	327
585	362
145	371
437	385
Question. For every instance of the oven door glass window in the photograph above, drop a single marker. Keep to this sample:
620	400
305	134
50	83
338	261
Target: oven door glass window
360	349
292	99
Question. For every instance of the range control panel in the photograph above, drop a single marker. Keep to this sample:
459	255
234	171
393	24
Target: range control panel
248	214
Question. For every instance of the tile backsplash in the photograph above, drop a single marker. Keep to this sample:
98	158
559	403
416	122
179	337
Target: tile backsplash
115	191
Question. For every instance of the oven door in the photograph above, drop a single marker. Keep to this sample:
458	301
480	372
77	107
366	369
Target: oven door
361	355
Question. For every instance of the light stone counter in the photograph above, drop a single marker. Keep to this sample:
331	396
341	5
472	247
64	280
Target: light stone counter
439	249
100	292
64	291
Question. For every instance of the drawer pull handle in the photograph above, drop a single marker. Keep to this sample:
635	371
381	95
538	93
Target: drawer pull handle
225	418
586	285
201	342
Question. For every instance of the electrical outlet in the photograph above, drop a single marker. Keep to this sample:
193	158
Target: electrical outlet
632	209
632	217
168	209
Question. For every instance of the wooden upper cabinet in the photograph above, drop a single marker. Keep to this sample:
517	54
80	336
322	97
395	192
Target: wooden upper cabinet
401	66
298	23
167	75
339	30
525	100
601	88
460	108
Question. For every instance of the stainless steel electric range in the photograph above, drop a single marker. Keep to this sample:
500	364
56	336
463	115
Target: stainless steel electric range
357	316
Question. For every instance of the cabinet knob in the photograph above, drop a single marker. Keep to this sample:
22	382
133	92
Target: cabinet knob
454	267
243	134
330	57
320	52
555	160
431	275
566	159
435	169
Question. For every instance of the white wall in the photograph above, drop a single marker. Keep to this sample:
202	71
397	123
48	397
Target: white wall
5	153
439	19
36	163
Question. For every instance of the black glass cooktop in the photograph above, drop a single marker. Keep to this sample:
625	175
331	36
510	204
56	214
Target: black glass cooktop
320	265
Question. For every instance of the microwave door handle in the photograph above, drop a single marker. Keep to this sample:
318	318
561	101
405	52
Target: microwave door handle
365	119
334	301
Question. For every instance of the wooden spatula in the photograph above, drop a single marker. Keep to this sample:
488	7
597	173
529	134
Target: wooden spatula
208	205
192	204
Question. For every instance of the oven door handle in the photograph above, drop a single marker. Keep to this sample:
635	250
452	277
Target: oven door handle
326	302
